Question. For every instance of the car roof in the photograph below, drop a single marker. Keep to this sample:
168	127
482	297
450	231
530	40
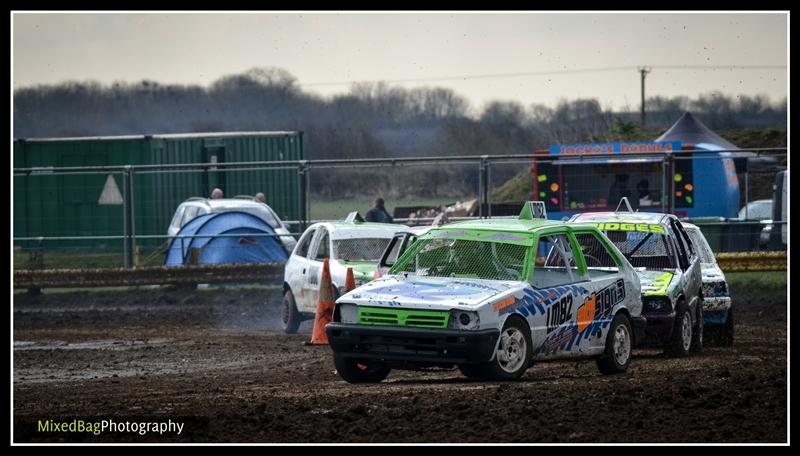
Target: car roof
505	224
225	202
388	229
623	217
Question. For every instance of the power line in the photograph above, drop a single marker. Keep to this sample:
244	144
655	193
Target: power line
720	67
553	72
477	76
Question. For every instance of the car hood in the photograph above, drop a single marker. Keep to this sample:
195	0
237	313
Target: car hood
428	292
655	283
362	270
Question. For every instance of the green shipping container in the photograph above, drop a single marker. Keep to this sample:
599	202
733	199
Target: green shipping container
57	205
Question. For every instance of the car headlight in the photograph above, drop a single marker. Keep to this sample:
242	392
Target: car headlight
463	320
346	313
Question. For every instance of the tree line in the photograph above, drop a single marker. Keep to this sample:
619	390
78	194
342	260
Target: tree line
369	120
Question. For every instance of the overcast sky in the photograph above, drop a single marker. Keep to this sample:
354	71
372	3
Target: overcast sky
332	48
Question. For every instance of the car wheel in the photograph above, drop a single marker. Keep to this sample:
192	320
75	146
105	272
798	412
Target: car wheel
697	334
514	351
360	371
726	332
290	317
619	341
681	340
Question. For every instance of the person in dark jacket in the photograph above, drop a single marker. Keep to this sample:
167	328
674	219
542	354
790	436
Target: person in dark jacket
378	213
618	190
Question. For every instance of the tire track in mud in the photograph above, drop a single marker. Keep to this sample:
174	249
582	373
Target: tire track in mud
209	357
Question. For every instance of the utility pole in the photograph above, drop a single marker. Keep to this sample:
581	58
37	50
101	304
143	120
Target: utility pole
643	71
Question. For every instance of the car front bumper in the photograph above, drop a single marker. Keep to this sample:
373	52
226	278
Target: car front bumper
716	303
414	345
659	327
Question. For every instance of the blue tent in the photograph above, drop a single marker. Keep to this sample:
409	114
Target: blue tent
228	249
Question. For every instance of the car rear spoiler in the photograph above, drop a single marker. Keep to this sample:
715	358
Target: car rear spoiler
354	217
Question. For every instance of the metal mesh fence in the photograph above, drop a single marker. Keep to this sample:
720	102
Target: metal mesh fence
648	250
362	249
460	258
559	267
127	216
411	191
595	253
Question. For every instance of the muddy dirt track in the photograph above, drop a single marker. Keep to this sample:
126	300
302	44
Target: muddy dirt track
217	355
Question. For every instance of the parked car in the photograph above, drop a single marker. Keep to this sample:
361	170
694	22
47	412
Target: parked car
669	269
349	243
756	210
759	210
195	207
717	304
492	297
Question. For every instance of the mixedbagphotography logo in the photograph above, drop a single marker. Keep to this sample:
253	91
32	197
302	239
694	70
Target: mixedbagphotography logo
107	428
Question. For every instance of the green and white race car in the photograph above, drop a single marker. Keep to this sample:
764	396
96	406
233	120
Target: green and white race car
492	297
669	268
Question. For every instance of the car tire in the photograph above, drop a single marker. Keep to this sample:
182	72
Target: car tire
290	317
697	334
360	371
619	345
726	331
514	351
680	341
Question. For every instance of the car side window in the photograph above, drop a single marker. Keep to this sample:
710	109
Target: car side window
558	268
394	246
599	261
323	246
687	241
305	243
683	260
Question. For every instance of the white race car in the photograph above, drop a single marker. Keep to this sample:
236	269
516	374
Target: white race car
350	243
717	304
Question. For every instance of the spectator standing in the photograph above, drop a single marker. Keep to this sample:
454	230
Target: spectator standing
378	213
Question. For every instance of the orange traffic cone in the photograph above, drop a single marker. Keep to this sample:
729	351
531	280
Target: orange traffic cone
349	281
324	313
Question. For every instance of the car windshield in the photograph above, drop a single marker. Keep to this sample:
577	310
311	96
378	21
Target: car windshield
702	247
442	257
360	249
643	249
